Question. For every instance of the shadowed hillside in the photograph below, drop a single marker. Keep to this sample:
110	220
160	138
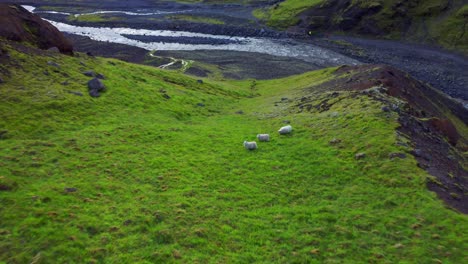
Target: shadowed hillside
440	22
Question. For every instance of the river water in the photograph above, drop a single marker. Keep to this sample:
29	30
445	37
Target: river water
277	47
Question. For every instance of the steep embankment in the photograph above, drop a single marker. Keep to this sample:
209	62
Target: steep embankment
441	22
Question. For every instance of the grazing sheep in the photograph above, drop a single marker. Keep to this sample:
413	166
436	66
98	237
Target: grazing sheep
285	130
263	137
250	145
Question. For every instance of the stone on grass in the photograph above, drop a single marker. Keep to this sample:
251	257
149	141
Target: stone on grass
70	189
53	64
360	156
89	73
95	87
335	141
397	155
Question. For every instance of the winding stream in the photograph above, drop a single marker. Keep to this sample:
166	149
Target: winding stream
277	47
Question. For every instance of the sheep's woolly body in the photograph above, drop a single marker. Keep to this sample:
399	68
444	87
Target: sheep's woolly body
250	145
263	137
285	130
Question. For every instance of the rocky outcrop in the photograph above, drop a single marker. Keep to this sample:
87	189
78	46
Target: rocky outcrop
435	123
18	24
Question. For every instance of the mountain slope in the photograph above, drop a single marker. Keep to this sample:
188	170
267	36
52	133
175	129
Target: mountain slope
440	22
154	171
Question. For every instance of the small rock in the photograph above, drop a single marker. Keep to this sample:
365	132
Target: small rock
395	108
360	156
399	245
335	141
166	96
240	112
3	133
128	222
53	64
417	152
95	86
114	229
200	81
100	76
70	189
397	155
75	93
65	83
162	91
284	99
201	104
89	73
46	73
54	49
82	63
386	109
90	54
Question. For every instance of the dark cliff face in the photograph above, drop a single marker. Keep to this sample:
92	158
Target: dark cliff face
18	24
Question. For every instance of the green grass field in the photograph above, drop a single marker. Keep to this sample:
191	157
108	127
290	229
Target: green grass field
285	14
133	177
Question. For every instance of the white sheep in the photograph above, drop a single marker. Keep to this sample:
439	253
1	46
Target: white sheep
250	145
263	137
285	130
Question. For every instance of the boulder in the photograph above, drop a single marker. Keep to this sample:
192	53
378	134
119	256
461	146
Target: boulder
18	24
95	87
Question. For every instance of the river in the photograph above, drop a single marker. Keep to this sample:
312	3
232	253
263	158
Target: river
129	36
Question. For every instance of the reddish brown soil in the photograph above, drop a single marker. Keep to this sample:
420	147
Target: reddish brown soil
17	24
429	119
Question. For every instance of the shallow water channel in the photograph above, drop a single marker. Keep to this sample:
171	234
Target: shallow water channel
179	40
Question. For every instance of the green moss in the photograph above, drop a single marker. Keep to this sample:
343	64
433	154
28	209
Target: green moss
452	31
285	14
197	19
93	18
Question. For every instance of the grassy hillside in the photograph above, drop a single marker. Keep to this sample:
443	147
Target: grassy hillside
439	22
154	171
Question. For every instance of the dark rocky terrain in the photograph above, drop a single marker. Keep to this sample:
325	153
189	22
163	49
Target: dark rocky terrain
17	24
438	142
442	69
